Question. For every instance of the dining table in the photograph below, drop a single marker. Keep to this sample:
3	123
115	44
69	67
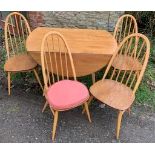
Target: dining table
91	49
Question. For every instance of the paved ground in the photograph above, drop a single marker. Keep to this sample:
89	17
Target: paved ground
21	120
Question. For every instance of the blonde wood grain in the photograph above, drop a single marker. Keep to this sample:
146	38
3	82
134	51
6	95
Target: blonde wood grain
56	114
52	110
56	60
87	111
9	83
129	110
89	101
119	120
118	87
125	26
113	93
16	31
45	105
91	49
93	78
18	63
85	64
14	43
37	78
124	62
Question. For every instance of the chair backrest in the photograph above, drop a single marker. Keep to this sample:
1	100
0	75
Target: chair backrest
16	31
130	78
125	26
56	59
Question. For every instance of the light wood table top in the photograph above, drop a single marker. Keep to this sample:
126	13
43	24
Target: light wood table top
91	49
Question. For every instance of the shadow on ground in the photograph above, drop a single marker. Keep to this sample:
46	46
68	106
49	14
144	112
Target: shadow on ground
21	120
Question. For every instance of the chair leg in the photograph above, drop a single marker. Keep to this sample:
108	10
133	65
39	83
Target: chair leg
55	124
38	79
119	119
52	110
45	105
129	111
44	91
89	101
9	83
87	111
93	78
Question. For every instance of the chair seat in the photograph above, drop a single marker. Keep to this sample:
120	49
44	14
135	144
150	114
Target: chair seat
18	63
113	93
125	62
67	94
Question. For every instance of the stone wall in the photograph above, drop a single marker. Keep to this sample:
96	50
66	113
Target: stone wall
82	19
35	18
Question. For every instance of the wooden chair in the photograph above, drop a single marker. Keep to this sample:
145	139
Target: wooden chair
125	26
18	60
57	64
117	87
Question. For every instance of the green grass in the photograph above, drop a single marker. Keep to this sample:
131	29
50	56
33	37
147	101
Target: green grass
146	93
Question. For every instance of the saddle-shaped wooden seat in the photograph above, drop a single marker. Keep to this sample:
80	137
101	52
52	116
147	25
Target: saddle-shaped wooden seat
113	93
125	62
23	62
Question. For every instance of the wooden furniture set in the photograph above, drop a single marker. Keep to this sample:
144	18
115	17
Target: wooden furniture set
65	54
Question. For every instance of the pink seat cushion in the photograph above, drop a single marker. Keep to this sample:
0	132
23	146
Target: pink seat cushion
67	94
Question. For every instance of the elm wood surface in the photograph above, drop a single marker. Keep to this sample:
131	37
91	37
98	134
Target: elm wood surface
91	49
125	26
56	58
16	31
125	62
118	87
116	95
23	62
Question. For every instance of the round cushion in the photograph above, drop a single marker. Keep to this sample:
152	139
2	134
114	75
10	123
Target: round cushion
67	94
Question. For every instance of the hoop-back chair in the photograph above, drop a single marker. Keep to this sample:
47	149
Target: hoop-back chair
118	87
18	60
125	26
61	93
